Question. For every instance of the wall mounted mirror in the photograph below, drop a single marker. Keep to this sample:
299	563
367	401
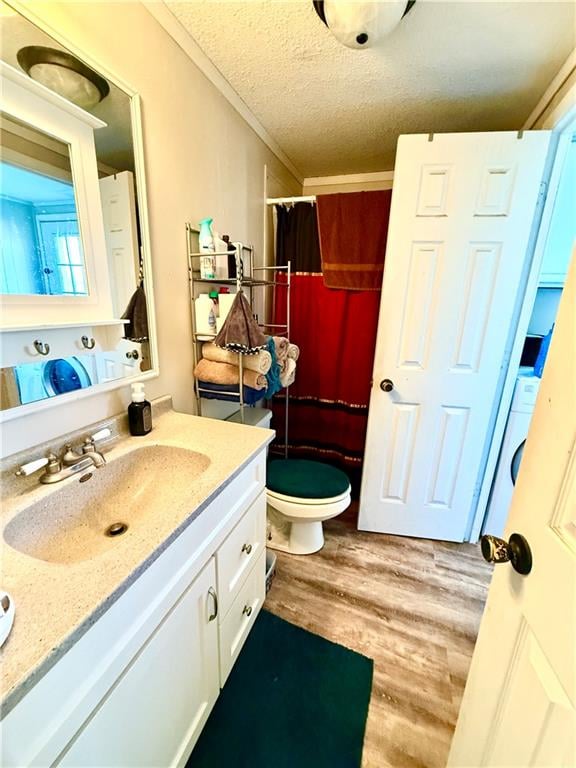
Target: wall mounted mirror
43	257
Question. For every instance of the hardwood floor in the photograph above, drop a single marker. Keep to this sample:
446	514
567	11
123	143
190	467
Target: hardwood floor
412	605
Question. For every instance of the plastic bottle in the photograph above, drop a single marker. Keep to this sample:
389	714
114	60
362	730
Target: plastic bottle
206	244
221	257
204	314
231	256
139	412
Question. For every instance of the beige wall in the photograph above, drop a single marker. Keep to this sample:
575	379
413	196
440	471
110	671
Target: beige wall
201	159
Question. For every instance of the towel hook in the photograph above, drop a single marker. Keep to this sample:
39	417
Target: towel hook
41	348
88	343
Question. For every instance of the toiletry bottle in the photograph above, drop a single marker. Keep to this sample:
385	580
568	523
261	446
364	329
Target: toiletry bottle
231	256
221	257
139	412
213	314
204	313
206	244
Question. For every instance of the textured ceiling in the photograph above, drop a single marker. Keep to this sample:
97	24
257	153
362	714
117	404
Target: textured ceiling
460	66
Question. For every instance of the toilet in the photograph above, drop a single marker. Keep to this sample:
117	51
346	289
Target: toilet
300	495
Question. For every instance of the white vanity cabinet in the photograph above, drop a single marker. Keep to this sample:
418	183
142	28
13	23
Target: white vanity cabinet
137	688
160	703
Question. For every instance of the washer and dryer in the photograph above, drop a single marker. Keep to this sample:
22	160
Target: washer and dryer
37	381
519	418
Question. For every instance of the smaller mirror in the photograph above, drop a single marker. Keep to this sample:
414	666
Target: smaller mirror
41	250
31	382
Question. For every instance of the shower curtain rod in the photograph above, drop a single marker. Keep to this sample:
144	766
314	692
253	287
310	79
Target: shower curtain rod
290	200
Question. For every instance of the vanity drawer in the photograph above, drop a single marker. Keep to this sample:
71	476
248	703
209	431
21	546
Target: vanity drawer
240	551
236	625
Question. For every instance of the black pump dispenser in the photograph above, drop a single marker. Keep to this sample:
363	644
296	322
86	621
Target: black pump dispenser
139	412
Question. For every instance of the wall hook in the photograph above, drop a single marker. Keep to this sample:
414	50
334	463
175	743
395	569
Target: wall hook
89	343
41	348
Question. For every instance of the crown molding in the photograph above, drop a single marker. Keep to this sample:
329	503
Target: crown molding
348	178
164	16
559	80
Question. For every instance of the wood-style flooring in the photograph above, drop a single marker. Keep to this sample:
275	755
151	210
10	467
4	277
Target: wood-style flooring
412	605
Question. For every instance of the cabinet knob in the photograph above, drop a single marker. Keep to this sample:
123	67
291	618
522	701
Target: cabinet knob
247	610
247	548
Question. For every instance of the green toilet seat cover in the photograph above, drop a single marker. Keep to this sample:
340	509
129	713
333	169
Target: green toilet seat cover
305	479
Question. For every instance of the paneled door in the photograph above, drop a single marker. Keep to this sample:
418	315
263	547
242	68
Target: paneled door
519	706
459	246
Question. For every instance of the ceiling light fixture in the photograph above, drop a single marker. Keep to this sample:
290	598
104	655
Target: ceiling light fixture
361	24
64	74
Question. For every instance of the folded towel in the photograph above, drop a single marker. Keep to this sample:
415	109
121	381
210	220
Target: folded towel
281	345
136	329
226	374
353	228
215	392
289	374
293	351
260	362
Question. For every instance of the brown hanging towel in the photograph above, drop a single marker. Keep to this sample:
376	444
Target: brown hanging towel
353	228
240	332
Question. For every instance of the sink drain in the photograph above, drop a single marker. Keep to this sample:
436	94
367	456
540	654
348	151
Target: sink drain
116	529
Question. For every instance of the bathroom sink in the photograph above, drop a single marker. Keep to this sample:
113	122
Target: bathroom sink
106	506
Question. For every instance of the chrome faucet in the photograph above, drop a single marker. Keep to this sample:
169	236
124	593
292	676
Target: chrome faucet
70	463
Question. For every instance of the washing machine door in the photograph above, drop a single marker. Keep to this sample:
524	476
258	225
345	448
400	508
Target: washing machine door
65	375
515	463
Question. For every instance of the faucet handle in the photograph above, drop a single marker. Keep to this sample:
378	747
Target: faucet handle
90	442
100	435
31	467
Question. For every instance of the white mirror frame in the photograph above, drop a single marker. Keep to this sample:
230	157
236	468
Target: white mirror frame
28	13
41	109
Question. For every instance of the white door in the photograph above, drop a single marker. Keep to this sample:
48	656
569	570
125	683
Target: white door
458	243
155	712
119	212
519	706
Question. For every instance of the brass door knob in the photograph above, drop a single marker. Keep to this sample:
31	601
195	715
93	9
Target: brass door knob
386	385
515	551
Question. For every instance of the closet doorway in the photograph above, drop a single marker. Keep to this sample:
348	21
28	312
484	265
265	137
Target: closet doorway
457	263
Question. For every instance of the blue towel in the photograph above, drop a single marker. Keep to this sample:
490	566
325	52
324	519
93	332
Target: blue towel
273	375
251	396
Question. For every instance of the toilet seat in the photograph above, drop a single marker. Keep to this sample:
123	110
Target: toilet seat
299	500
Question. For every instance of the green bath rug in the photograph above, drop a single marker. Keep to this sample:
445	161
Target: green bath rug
293	700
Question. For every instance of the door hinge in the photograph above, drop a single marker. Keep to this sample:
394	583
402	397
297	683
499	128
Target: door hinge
543	191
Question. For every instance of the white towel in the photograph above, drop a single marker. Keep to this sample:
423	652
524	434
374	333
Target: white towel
293	351
260	363
289	373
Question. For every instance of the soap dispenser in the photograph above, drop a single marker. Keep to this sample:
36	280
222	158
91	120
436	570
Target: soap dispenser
139	412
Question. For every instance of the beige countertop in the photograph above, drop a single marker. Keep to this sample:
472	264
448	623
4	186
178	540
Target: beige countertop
57	602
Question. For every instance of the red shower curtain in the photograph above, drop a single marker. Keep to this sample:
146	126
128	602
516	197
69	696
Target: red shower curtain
336	332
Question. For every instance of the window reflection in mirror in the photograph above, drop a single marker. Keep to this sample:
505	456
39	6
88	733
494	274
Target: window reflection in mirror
41	250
